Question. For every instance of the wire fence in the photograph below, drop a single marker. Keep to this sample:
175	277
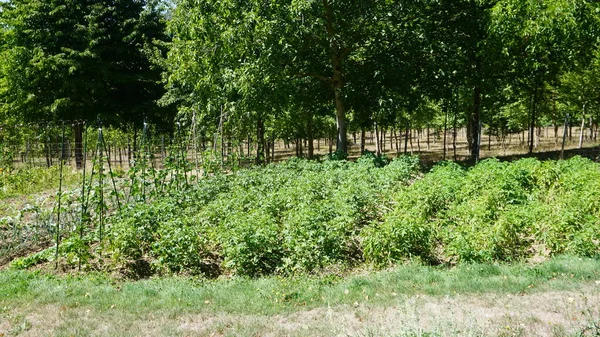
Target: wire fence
42	145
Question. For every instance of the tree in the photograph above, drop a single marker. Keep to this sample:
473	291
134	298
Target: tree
464	54
269	46
75	60
543	39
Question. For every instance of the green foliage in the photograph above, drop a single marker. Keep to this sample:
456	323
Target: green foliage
295	217
487	221
338	155
93	56
33	180
304	217
34	259
493	212
251	243
573	205
135	230
371	157
408	229
181	248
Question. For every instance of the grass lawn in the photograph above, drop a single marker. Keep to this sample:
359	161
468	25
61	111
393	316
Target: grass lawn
560	297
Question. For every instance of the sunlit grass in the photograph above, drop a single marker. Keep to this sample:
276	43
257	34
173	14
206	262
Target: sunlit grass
177	295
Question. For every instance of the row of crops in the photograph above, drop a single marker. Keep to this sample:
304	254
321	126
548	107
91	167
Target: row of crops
309	217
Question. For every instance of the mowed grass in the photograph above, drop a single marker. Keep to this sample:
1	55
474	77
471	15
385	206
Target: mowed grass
274	295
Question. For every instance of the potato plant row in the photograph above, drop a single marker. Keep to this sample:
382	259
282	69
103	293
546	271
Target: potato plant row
310	217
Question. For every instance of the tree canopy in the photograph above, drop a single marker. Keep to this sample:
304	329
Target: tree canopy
301	69
75	60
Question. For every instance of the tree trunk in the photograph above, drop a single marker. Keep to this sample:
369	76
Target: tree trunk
532	122
363	139
249	146
474	122
260	142
337	79
406	135
78	131
135	131
412	149
582	127
273	140
454	134
48	153
555	134
377	143
267	150
445	131
311	143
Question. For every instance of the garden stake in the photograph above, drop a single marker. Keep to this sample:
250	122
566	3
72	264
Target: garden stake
62	149
145	156
182	158
101	184
83	203
110	172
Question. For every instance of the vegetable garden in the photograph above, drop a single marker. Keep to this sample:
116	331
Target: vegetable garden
302	217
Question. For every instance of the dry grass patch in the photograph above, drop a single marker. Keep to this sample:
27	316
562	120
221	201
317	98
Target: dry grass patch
552	313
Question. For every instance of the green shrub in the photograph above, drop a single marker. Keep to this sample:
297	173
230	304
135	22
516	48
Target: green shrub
399	238
317	235
409	229
476	237
371	158
338	155
133	232
250	243
182	247
304	216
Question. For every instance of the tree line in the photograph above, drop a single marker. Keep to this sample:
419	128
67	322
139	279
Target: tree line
299	70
